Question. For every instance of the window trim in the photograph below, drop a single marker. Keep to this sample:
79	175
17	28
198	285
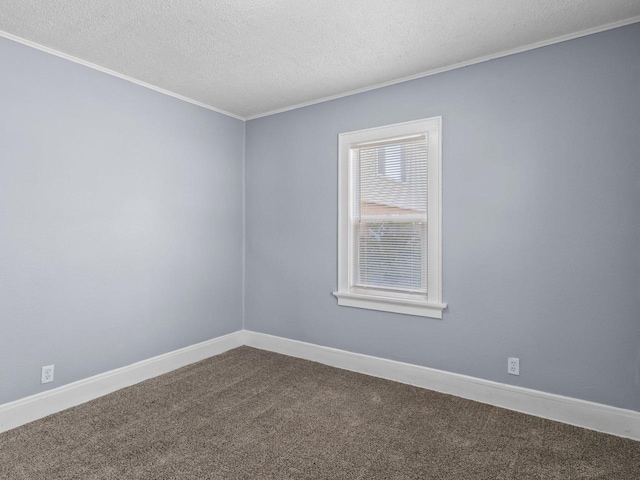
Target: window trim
430	305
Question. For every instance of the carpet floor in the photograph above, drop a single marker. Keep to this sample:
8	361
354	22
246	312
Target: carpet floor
253	414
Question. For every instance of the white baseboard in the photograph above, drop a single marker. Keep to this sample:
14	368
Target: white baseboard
594	416
28	409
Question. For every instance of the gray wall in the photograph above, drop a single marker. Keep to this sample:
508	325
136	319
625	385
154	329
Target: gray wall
120	222
541	229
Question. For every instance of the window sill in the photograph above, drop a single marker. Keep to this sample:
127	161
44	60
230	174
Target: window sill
389	304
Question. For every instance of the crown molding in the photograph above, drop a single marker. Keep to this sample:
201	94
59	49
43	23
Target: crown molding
486	58
73	59
466	63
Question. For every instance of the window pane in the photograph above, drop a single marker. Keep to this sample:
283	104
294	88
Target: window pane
392	256
390	215
392	162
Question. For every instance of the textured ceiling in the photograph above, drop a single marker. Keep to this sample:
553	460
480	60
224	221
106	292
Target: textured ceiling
249	57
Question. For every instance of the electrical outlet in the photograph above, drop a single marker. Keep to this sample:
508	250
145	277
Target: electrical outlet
513	366
46	375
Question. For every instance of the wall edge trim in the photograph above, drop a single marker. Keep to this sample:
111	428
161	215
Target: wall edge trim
581	413
34	407
108	71
455	66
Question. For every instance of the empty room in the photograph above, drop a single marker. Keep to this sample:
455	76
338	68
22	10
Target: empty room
278	239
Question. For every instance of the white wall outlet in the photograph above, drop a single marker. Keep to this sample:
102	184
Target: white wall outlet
513	366
47	374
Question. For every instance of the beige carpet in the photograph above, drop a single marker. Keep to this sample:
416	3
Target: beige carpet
257	415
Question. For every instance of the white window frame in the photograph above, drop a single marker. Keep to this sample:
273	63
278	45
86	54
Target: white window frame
429	305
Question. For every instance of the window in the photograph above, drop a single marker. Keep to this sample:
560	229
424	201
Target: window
389	243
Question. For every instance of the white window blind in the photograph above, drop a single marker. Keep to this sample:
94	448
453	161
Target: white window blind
389	217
